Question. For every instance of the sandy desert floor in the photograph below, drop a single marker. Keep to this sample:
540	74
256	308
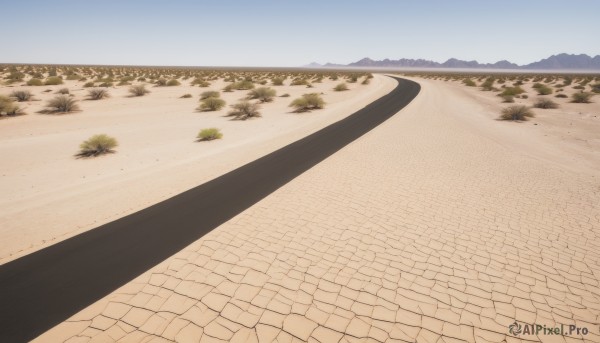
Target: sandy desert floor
440	225
49	195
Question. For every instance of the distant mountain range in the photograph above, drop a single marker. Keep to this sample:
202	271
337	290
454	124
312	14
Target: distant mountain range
560	61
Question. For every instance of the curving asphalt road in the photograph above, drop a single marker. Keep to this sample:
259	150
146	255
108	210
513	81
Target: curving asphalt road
42	289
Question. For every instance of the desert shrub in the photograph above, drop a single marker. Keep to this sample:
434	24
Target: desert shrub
561	96
200	82
278	81
512	91
341	87
286	95
516	112
544	90
161	82
173	82
106	84
488	84
209	134
138	90
53	80
243	85
508	98
186	96
98	93
579	87
8	107
366	81
264	94
581	97
469	83
524	96
210	94
244	110
21	95
123	83
595	88
141	79
63	91
211	104
62	103
35	82
73	77
88	84
545	104
308	102
97	145
299	82
228	88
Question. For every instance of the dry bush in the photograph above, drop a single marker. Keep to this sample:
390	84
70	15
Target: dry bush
209	134
138	90
8	107
516	113
211	104
264	94
561	96
173	82
308	102
244	110
63	91
582	97
341	87
88	84
512	91
299	82
97	145
508	98
35	82
545	104
185	96
210	94
21	95
278	81
62	104
53	80
98	93
543	90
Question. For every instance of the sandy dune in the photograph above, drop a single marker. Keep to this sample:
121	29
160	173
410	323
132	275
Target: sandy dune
49	195
440	225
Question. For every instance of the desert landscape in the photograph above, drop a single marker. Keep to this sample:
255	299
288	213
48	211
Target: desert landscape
158	154
317	171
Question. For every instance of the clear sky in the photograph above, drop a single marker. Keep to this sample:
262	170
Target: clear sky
292	33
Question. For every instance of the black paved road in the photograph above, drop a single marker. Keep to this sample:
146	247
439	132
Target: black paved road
42	289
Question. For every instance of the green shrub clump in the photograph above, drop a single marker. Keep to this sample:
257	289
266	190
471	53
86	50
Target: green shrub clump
244	110
210	94
308	102
581	97
263	94
211	104
53	80
35	82
209	134
173	82
97	145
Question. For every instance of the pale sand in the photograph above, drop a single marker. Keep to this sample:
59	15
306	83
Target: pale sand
49	195
432	227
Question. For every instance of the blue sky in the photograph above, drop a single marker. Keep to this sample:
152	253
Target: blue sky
292	33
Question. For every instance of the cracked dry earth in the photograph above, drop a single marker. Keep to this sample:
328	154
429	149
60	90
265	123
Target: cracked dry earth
425	229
